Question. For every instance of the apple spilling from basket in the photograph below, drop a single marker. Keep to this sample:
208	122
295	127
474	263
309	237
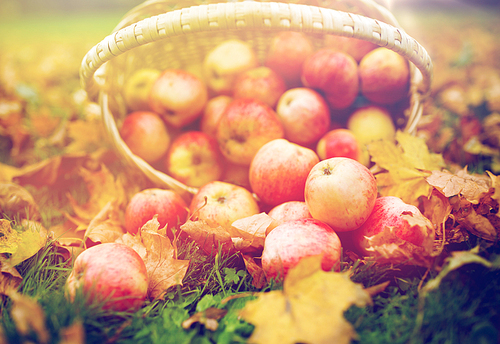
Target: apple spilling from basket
287	136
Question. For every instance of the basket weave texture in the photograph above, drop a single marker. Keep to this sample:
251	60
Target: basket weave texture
162	34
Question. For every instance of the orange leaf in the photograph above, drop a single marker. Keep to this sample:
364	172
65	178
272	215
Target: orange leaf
159	255
105	226
248	233
208	237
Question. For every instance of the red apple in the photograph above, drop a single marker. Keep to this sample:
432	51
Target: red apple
225	62
287	52
357	48
384	76
261	83
167	204
340	192
247	125
212	114
335	74
371	123
279	170
394	232
112	273
138	87
294	240
178	96
339	143
305	115
194	159
221	203
289	211
146	135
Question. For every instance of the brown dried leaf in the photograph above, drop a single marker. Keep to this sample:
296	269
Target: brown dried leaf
252	232
73	334
16	200
28	316
159	255
208	237
480	226
208	318
10	279
105	226
462	183
255	270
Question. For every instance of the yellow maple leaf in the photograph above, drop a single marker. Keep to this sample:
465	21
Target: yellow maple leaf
32	239
87	135
9	238
309	309
404	167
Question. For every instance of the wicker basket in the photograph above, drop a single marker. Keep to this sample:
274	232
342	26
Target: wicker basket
162	34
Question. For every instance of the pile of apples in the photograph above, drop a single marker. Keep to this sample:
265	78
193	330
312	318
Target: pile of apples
286	136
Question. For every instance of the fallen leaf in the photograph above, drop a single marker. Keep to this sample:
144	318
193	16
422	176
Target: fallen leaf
480	226
17	201
105	226
255	270
73	334
10	279
28	316
86	135
471	187
404	167
159	255
103	188
209	318
9	238
252	232
309	309
33	238
208	237
495	184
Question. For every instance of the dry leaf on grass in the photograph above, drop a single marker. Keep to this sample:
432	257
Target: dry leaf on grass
10	279
208	237
471	187
33	238
248	233
28	316
9	238
73	334
405	167
105	226
159	255
17	201
310	309
255	270
209	318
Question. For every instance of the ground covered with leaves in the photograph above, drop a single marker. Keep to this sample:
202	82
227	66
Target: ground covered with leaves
62	188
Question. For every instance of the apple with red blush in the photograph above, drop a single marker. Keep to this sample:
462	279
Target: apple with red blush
111	273
279	170
247	125
214	109
294	240
170	207
289	211
146	135
395	232
339	143
261	83
178	96
357	48
340	192
220	203
384	76
286	54
334	74
305	115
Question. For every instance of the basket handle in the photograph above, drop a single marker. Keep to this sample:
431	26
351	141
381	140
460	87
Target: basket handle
256	15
